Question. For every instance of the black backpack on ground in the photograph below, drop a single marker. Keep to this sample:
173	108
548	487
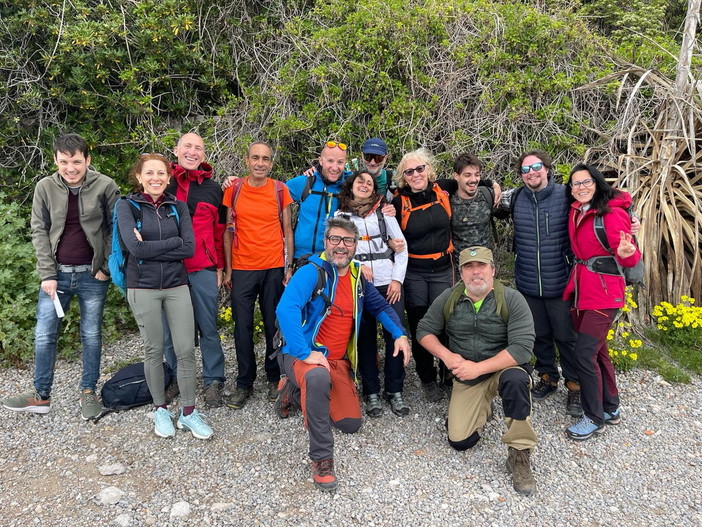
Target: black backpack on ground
127	388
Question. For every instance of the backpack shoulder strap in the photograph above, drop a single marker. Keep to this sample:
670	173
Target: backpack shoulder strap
308	187
500	302
513	201
383	227
280	195
601	234
236	186
489	196
450	305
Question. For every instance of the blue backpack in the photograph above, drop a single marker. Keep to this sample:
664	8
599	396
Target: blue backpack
117	261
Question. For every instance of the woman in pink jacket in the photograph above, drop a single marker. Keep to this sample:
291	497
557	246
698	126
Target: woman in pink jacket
597	296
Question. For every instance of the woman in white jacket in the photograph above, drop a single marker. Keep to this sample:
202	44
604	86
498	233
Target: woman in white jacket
360	201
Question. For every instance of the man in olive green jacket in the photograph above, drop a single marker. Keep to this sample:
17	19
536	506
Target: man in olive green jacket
71	232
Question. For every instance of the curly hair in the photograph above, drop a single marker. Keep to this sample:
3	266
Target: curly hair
424	157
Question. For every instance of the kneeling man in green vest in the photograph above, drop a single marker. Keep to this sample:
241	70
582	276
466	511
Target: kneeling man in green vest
491	336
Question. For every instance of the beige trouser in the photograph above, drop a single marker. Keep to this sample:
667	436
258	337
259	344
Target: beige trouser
469	409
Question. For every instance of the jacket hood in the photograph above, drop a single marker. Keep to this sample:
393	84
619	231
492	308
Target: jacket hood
181	174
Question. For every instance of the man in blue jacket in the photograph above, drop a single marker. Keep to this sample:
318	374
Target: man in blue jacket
319	317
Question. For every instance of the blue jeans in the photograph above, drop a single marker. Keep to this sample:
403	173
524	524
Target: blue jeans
91	294
204	295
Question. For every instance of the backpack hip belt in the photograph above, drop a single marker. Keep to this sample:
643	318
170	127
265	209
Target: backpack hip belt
369	257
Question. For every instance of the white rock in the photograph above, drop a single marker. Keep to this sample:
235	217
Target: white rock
110	496
180	510
218	507
123	520
112	470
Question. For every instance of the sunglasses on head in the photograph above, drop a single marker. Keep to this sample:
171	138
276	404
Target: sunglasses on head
333	144
411	171
373	157
535	167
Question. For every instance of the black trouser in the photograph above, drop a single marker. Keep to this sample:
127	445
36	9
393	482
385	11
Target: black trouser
247	286
421	289
368	351
553	324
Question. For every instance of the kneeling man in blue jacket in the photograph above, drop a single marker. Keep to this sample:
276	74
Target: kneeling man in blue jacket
319	315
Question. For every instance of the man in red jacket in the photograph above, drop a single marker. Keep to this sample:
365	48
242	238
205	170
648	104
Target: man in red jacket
192	183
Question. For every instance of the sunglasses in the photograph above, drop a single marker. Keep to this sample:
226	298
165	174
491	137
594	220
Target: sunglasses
418	170
333	144
349	241
535	167
587	183
373	157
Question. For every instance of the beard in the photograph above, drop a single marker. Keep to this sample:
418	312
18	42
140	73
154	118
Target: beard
339	257
478	289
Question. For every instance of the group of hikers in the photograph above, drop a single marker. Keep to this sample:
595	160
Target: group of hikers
400	248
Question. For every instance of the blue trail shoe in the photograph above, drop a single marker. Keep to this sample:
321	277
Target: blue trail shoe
614	418
163	423
583	429
195	425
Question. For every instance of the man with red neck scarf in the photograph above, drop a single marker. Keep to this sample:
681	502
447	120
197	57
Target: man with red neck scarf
192	183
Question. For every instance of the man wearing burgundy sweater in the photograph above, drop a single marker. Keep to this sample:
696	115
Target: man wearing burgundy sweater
192	183
71	232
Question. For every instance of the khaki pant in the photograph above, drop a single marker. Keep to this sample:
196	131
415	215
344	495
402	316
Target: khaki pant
470	406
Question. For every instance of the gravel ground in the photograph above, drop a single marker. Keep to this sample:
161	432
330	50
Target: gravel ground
57	470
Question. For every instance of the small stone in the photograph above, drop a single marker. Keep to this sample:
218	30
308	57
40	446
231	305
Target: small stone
92	458
112	470
180	510
110	496
219	507
123	520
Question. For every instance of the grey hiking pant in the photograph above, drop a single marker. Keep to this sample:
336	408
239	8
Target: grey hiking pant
147	305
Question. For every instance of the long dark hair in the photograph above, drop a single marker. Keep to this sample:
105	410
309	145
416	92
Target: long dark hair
346	192
604	192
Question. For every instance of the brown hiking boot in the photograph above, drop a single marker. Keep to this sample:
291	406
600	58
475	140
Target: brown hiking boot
172	391
573	406
544	387
323	475
213	395
519	465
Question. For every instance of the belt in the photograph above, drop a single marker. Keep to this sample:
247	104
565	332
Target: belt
74	268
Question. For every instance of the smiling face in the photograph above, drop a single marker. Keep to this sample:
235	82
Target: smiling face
373	163
535	180
332	162
339	255
259	161
190	151
417	181
478	279
468	181
153	178
581	192
72	167
363	186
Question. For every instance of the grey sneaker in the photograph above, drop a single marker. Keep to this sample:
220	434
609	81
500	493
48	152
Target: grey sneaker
28	402
90	406
373	406
238	399
397	404
272	391
213	395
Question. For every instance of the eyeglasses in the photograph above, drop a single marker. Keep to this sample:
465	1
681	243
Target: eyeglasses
587	183
418	170
535	167
373	157
334	239
333	144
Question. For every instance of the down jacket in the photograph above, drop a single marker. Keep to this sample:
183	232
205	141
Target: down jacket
592	290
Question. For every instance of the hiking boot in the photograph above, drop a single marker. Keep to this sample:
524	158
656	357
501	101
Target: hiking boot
613	418
373	406
583	429
194	423
238	399
432	391
272	391
323	475
163	423
397	404
519	465
283	404
573	407
90	406
544	387
28	402
213	395
172	391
